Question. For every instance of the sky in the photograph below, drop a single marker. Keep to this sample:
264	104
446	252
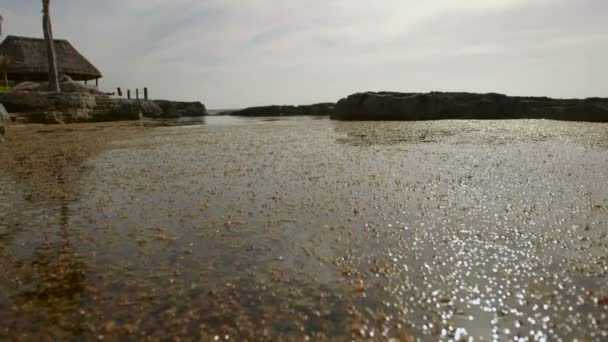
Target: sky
234	54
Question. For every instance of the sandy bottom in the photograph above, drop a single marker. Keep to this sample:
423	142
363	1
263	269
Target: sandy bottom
236	229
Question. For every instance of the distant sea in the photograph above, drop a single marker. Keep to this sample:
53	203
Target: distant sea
217	111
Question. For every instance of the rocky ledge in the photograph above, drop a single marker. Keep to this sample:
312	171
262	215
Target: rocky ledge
32	102
176	109
319	109
437	106
67	107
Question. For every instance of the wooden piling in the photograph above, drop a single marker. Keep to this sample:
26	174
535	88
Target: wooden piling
146	93
128	94
137	93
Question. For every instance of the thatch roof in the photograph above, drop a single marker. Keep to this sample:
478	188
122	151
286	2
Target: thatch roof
30	61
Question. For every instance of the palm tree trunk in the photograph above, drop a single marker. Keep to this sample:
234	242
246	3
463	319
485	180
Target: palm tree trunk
50	45
1	57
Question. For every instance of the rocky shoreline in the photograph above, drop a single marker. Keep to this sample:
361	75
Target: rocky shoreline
319	109
85	107
178	109
77	104
438	105
31	102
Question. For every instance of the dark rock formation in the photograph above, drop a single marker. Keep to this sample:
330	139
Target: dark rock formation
436	106
176	109
320	109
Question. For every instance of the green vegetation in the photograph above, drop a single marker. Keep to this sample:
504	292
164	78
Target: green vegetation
4	89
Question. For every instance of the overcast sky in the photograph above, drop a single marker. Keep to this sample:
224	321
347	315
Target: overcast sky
237	53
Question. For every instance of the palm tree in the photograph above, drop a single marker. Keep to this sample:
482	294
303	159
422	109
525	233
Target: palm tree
4	60
4	64
50	45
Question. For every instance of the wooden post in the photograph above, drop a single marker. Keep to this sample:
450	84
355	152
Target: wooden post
137	93
86	82
97	83
119	91
128	94
145	93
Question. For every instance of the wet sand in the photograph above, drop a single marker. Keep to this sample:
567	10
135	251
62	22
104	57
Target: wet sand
242	229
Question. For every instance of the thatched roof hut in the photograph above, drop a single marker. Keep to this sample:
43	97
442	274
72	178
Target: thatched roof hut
29	60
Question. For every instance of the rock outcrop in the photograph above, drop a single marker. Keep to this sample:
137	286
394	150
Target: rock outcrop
4	120
70	86
4	117
27	87
69	107
37	107
177	109
79	103
34	96
49	107
436	106
319	109
67	85
122	109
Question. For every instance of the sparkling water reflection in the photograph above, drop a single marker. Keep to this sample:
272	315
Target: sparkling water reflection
254	229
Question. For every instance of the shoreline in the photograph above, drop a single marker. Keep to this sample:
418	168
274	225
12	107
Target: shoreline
80	107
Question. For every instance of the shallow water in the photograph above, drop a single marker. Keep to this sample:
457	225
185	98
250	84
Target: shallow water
235	228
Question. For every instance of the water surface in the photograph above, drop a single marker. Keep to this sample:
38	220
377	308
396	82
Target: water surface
235	228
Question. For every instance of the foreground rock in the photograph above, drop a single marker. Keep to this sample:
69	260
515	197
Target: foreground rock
4	117
436	106
176	109
4	120
319	109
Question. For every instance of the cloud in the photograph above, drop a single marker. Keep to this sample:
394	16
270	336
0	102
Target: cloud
231	53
